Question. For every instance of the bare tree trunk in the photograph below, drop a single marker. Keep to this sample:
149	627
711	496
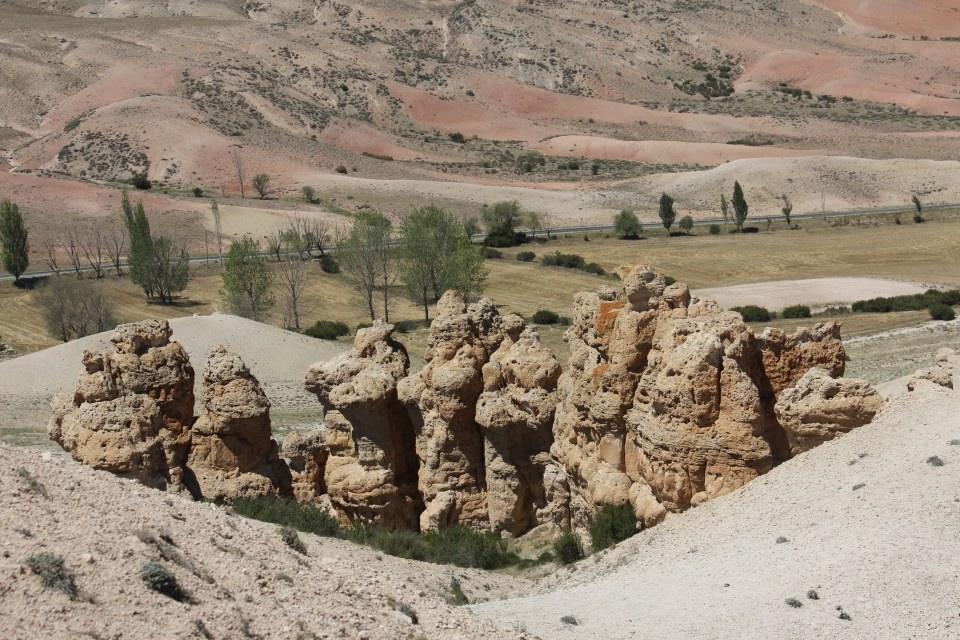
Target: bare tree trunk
50	248
72	246
116	242
241	176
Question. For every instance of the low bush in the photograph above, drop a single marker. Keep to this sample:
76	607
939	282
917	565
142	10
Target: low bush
796	311
753	313
329	264
544	316
327	330
156	577
594	268
526	256
750	230
914	302
686	224
458	137
292	540
140	181
289	513
405	326
459	546
490	253
53	573
567	548
341	169
714	229
919	219
197	192
567	260
611	525
939	311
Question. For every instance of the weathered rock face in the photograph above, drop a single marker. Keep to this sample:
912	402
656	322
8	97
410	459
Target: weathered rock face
306	457
946	367
516	412
232	452
819	408
441	400
668	402
133	408
368	455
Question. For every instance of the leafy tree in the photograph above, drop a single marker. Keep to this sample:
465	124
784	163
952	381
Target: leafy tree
367	257
139	256
74	308
686	224
501	221
667	212
917	203
429	238
261	184
169	269
469	272
246	280
724	208
787	208
309	194
627	225
740	206
13	240
293	278
534	222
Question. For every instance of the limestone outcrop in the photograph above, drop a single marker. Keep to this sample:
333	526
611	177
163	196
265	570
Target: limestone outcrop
232	451
132	409
441	400
366	447
516	412
945	368
819	408
669	401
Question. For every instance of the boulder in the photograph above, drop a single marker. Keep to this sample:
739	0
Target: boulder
132	409
946	367
366	447
233	454
819	408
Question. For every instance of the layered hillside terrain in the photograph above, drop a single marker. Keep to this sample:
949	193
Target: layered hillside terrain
575	109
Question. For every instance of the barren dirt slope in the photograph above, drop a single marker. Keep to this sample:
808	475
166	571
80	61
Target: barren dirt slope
864	521
245	582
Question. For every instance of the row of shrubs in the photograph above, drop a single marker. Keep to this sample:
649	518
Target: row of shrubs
459	546
938	303
572	261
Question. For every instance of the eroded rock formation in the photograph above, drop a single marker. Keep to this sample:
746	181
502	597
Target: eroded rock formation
819	408
366	449
132	409
945	368
232	451
441	400
668	402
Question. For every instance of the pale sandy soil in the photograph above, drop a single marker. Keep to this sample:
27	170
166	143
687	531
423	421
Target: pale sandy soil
243	580
869	526
814	292
278	358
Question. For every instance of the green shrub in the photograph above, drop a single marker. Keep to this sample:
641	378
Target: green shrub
460	546
292	540
53	573
458	137
162	581
327	330
753	313
939	311
627	225
197	192
73	123
796	311
567	260
567	548
919	219
611	525
686	224
341	169
594	268
714	229
914	302
544	316
140	181
405	326
289	513
329	264
669	280
526	256
488	253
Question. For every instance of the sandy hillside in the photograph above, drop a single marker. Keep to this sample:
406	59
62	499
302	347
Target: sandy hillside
244	581
864	521
278	358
